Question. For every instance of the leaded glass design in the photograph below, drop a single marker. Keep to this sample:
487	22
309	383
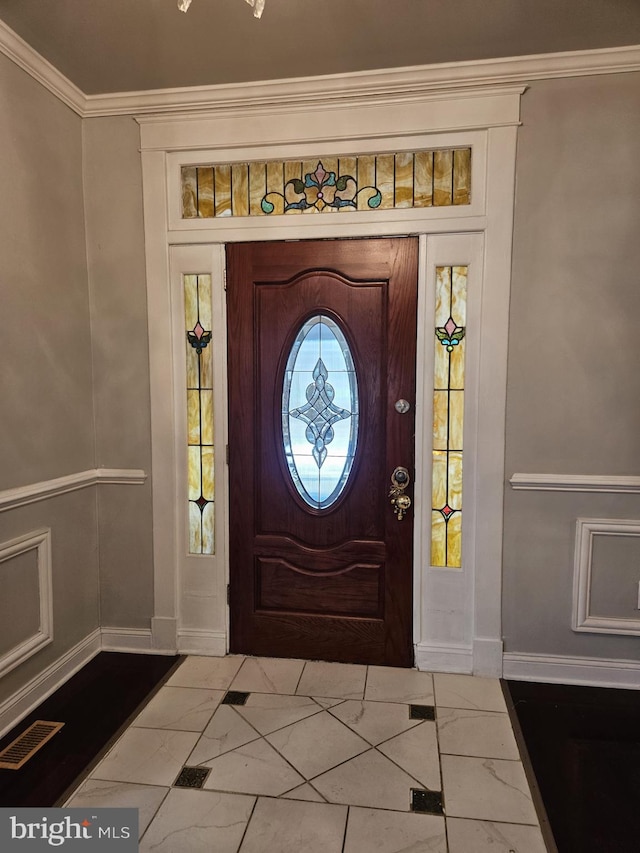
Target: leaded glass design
200	451
448	416
320	412
406	179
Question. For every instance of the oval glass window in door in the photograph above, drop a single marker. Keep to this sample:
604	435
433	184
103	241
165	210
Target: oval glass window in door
320	412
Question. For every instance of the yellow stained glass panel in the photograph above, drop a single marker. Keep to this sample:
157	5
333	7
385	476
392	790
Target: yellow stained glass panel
292	169
240	189
206	367
438	540
441	368
366	178
257	188
189	192
440	419
275	177
462	176
448	416
385	167
455	481
404	180
439	485
459	295
456	417
200	425
193	417
423	181
205	192
193	374
190	300
204	300
208	529
195	529
348	166
442	178
208	483
206	417
454	541
443	295
456	380
194	460
223	191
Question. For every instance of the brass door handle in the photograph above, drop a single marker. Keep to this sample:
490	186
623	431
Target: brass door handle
400	502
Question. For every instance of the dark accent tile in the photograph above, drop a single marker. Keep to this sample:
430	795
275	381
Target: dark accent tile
235	697
422	712
191	777
427	802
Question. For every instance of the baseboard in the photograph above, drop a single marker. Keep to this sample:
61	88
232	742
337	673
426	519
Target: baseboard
194	642
592	672
487	657
164	634
47	682
128	640
434	657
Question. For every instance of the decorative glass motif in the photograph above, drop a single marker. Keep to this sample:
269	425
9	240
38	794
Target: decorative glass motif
320	189
407	179
200	451
448	416
320	412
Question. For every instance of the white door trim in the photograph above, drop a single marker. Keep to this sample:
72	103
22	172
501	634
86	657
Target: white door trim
491	118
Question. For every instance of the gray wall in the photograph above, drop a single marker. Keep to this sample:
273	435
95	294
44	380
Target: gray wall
573	399
573	387
45	383
46	429
117	284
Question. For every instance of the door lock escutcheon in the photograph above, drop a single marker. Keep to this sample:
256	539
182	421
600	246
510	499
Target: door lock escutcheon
400	502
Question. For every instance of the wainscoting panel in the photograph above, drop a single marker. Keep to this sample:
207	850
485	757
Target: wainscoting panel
26	581
606	581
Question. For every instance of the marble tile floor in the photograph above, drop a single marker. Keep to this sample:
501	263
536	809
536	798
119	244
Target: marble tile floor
319	757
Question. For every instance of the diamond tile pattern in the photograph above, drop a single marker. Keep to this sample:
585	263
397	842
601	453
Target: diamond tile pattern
321	756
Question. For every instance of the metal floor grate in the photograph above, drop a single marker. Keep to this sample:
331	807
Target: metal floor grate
19	751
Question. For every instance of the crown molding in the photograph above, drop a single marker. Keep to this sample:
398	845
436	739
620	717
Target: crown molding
378	86
390	85
24	56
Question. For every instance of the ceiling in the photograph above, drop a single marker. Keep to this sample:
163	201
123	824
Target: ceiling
133	45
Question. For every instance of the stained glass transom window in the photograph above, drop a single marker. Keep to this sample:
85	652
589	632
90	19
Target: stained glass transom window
329	184
200	451
320	412
448	416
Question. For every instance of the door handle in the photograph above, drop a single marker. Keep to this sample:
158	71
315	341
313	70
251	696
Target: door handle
400	502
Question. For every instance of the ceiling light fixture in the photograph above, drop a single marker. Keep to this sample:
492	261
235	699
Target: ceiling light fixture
258	6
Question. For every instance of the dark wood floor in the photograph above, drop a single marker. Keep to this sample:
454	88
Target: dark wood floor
584	748
95	705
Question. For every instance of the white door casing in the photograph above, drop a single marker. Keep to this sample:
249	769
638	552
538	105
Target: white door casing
457	624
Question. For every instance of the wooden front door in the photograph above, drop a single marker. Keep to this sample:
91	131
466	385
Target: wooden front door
322	349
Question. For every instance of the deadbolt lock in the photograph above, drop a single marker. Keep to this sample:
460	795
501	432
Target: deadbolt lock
400	502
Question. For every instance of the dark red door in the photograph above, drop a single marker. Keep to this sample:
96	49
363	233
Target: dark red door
321	571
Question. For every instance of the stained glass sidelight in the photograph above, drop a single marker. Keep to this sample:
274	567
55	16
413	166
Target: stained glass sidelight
448	416
200	452
332	184
320	412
